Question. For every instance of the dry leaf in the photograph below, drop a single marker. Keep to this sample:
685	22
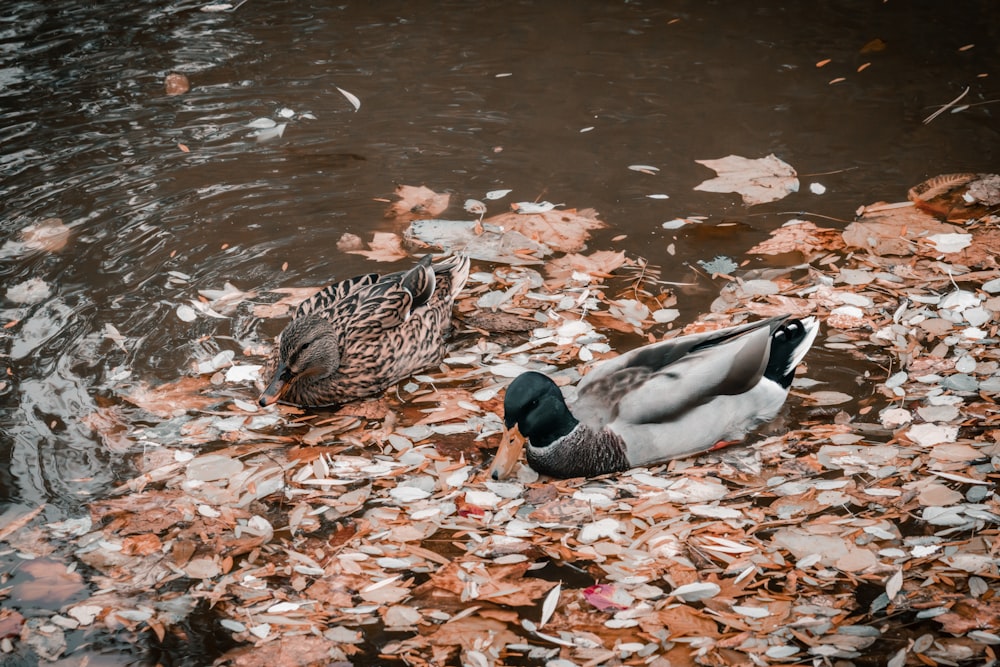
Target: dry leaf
759	181
803	237
417	202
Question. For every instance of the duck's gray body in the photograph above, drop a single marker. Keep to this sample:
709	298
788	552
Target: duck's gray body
663	401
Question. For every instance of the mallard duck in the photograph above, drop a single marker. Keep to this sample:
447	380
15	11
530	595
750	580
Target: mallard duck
356	338
662	401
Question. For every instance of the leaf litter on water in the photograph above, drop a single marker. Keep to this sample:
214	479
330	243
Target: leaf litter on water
904	503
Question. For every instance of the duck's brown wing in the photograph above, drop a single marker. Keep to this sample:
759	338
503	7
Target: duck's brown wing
327	298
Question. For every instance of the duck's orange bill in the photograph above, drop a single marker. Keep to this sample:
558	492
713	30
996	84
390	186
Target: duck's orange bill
508	454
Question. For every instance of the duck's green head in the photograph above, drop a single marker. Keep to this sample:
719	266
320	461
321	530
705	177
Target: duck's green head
535	404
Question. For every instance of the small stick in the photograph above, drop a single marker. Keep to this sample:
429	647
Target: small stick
946	106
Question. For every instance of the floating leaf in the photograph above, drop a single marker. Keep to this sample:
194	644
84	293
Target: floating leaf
32	290
527	207
550	604
720	265
759	181
353	99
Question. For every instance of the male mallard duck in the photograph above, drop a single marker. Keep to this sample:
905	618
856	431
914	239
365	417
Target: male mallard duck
356	338
663	401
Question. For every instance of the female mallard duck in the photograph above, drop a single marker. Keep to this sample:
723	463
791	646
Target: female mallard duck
358	337
663	401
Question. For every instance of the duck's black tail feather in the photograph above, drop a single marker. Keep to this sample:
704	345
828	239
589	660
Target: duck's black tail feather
789	344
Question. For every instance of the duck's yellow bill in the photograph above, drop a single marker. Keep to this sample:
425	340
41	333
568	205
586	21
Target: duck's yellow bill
508	454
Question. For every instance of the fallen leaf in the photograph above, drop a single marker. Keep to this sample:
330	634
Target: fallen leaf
803	237
384	247
758	180
351	97
417	202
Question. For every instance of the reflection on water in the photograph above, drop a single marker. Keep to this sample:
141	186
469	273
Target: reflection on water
164	196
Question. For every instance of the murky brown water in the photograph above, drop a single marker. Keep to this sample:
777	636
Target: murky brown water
551	99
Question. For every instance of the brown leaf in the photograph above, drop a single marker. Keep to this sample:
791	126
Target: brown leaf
804	237
894	231
141	545
46	583
293	650
50	235
600	263
176	84
971	614
173	398
417	202
683	621
562	231
385	247
112	426
10	623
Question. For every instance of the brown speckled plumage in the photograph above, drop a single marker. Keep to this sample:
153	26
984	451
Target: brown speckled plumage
358	337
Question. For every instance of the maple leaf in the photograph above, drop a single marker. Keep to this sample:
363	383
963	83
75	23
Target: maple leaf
759	181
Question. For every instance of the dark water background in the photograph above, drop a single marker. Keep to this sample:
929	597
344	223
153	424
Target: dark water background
463	97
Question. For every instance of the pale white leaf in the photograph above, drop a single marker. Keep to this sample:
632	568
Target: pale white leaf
950	242
353	99
719	512
550	604
270	133
782	651
85	613
243	373
112	333
894	584
644	168
752	612
186	313
922	550
261	631
408	494
527	207
32	290
728	546
676	223
497	194
262	124
721	265
927	435
475	207
696	591
209	511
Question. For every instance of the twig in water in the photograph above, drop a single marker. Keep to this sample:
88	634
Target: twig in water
946	106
